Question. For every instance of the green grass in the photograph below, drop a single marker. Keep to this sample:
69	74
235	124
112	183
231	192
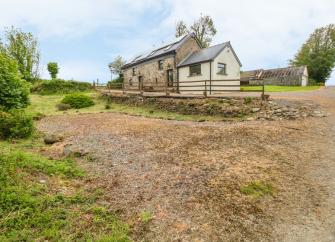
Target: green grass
47	200
146	216
280	88
257	189
46	104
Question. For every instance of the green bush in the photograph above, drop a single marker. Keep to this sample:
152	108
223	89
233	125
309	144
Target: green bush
14	91
46	87
15	124
78	100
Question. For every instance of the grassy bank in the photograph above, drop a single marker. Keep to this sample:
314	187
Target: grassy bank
281	88
48	200
46	104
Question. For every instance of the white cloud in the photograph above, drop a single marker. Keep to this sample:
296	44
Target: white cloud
264	33
70	18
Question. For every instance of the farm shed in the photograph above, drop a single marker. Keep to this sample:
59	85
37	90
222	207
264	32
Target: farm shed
288	76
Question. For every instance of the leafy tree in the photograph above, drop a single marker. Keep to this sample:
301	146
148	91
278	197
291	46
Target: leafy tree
318	54
22	47
203	28
116	65
53	69
14	91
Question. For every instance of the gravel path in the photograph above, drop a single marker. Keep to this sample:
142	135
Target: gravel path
188	175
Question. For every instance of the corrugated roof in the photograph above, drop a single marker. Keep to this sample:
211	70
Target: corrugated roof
164	50
274	73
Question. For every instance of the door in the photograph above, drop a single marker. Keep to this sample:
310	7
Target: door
140	82
170	78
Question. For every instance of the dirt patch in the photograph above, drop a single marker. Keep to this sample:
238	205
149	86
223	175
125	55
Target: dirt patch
189	175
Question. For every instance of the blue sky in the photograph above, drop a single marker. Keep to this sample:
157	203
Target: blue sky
83	36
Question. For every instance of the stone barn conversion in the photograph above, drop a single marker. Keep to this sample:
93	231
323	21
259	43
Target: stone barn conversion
178	66
288	76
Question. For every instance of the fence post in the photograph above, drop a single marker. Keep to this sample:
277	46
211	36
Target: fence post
205	92
166	87
94	85
123	89
263	90
141	88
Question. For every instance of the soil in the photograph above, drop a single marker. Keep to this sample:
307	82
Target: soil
188	175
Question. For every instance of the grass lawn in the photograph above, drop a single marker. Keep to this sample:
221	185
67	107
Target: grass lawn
49	200
46	104
281	88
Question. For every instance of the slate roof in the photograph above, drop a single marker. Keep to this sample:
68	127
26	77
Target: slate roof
205	55
155	53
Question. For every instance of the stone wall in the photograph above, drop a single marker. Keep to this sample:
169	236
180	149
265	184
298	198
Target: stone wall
188	47
279	81
153	78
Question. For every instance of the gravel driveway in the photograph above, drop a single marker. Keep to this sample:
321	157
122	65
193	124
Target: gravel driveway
188	175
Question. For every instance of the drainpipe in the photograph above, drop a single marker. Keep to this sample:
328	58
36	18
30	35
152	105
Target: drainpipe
210	77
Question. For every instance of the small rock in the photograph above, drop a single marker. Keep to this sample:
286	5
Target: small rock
51	139
43	181
254	110
250	119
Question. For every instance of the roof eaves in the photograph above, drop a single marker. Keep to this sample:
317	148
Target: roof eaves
194	63
146	59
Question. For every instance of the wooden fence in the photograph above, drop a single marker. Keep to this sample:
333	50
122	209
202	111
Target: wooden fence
200	87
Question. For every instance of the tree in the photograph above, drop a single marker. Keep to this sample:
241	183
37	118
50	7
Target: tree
115	68
203	28
53	69
318	54
116	65
23	47
14	91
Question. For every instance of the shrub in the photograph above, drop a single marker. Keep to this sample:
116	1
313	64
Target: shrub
247	100
14	91
78	100
15	124
108	106
57	86
39	116
63	106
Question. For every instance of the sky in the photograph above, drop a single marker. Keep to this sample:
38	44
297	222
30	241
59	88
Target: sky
83	36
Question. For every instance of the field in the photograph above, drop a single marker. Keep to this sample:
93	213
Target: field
281	88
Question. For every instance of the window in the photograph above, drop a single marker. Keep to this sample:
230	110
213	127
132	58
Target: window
134	72
130	82
160	65
170	77
222	68
195	70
